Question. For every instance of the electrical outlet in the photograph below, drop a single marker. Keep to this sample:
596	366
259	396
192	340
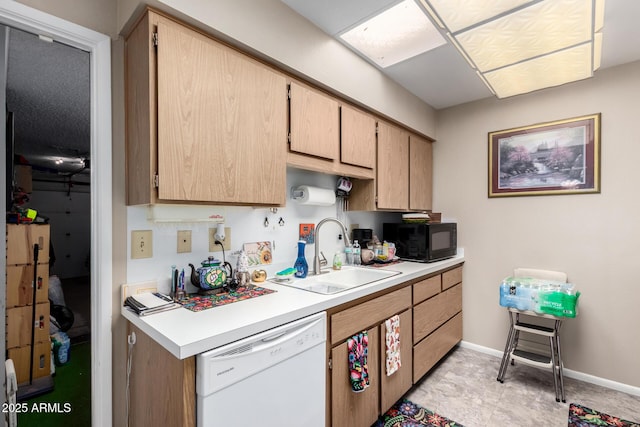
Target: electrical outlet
184	241
226	244
141	244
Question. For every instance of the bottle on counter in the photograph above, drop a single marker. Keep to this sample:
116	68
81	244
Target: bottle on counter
356	253
337	261
301	266
348	254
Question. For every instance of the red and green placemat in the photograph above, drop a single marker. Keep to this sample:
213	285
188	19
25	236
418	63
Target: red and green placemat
197	302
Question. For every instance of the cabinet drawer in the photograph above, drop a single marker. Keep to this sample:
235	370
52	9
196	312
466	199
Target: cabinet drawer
19	289
432	313
426	288
19	325
451	278
361	316
430	350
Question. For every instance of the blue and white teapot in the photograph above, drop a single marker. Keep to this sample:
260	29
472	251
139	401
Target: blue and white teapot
211	275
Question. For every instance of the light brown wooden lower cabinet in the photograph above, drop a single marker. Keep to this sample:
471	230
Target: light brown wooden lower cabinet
433	348
396	385
430	310
162	387
349	408
362	408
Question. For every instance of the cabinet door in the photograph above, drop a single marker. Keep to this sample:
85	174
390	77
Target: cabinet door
394	386
348	408
420	173
315	123
221	122
357	137
393	167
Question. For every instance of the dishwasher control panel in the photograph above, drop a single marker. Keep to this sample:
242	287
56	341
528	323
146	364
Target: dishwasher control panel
226	365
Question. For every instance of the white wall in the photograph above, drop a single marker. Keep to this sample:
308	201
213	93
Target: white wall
247	225
594	238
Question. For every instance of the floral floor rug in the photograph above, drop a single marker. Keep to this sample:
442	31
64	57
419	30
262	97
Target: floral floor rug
407	414
581	416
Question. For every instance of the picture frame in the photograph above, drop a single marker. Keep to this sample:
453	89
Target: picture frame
552	158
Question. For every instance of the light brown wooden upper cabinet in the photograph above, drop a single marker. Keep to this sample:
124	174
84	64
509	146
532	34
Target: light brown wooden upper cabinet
392	171
314	122
205	123
403	174
357	137
420	173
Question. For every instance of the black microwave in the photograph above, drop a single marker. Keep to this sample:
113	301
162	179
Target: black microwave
422	242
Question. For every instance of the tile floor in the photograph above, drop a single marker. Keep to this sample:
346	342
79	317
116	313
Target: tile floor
463	388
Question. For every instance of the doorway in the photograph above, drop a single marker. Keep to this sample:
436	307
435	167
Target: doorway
48	102
98	46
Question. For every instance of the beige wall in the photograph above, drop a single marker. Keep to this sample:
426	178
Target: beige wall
98	15
591	237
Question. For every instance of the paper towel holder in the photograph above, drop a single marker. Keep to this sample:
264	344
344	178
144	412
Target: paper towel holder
298	194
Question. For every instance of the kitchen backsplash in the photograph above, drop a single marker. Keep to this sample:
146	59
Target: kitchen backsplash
247	225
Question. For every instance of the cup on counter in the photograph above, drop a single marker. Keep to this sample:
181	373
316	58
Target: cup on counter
392	253
367	256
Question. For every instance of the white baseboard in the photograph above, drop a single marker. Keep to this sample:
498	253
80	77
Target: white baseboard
625	388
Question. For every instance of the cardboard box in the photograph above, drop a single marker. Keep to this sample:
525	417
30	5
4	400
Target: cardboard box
21	239
20	285
19	325
41	361
23	178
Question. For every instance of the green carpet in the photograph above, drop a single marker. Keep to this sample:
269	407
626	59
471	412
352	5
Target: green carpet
69	404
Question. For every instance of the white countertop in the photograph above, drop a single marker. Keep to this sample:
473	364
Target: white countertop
185	333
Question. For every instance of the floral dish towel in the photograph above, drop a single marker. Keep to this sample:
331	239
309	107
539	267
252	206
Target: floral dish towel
357	347
393	344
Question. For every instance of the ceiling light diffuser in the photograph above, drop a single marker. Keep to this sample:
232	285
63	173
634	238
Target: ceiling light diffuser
518	46
399	33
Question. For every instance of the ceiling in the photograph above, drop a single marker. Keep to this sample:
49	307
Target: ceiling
442	78
48	91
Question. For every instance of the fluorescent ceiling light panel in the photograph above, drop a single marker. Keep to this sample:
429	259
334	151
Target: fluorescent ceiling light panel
533	31
597	50
461	14
547	71
520	46
399	33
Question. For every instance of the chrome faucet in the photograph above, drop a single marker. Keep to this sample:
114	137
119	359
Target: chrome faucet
316	256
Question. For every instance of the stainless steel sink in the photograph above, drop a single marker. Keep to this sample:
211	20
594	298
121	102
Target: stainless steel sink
334	281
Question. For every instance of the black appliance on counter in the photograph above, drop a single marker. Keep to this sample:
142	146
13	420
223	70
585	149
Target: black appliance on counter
363	236
422	242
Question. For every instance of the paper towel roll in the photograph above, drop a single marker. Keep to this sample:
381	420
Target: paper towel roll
307	195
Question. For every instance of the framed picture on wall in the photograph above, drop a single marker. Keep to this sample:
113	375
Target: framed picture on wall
560	157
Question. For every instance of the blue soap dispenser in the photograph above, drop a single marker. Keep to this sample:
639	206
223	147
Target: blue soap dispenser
301	266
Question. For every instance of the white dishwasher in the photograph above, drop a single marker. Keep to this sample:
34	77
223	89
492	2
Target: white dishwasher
273	379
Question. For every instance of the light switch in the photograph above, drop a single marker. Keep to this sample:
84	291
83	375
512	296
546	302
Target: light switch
141	244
